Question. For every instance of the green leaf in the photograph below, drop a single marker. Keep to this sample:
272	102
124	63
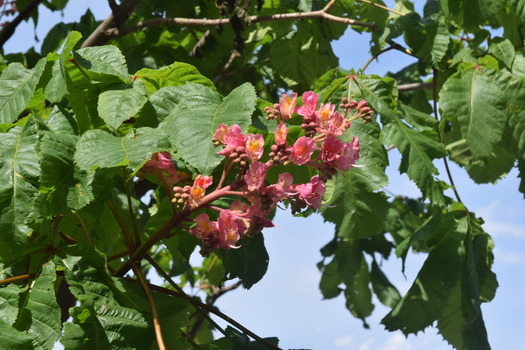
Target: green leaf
103	61
19	171
119	105
103	320
503	50
99	149
40	315
462	322
57	168
11	338
9	299
355	211
176	74
249	263
385	291
17	86
330	280
301	57
199	111
474	99
429	294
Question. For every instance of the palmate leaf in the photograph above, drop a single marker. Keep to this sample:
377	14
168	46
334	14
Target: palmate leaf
199	111
99	149
19	171
418	146
40	315
17	86
475	100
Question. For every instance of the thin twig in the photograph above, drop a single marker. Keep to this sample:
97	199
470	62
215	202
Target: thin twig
382	7
376	56
152	304
10	27
414	86
122	225
188	22
83	226
115	20
212	310
436	115
17	279
131	213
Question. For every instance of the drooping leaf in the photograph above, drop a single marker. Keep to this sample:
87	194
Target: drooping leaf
199	111
427	297
383	288
17	86
249	263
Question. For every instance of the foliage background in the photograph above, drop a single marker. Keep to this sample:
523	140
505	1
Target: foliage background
326	324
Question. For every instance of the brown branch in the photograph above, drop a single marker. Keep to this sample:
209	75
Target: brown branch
414	86
10	27
189	22
17	279
365	66
152	305
382	7
212	310
115	20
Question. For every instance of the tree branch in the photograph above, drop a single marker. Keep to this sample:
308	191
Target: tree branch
191	22
115	20
10	27
414	86
212	310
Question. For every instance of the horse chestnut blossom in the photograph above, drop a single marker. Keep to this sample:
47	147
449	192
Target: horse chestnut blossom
253	195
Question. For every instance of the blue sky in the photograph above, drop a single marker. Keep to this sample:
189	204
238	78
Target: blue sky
287	303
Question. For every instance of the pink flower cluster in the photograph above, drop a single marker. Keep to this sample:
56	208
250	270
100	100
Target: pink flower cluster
319	148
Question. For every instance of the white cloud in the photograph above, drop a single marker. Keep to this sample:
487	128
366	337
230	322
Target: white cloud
499	221
508	257
396	342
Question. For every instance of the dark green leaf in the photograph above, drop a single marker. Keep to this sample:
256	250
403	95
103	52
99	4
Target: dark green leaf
249	263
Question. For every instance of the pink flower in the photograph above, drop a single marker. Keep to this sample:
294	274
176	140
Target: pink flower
335	126
221	132
231	228
302	150
287	105
198	189
204	226
331	148
338	154
324	114
309	106
254	146
160	165
255	176
232	139
312	192
281	132
348	156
